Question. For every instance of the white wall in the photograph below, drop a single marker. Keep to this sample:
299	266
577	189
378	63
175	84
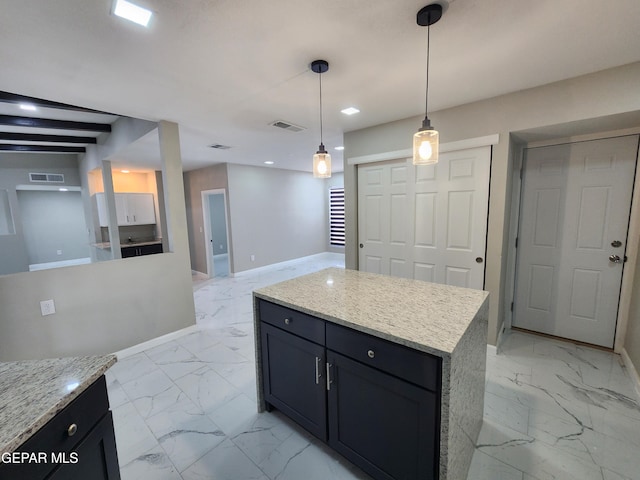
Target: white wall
585	104
275	215
105	307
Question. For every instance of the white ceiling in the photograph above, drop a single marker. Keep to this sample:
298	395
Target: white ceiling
224	70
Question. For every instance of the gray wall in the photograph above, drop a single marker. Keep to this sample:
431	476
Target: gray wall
196	181
275	214
218	223
14	170
52	222
593	103
104	307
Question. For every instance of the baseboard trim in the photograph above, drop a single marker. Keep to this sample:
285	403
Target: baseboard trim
633	373
154	342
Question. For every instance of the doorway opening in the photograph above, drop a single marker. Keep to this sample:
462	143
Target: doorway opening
216	232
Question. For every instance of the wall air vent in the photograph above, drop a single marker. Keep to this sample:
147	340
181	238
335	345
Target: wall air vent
218	146
46	177
287	126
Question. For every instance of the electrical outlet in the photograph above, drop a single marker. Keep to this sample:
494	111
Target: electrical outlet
253	258
59	252
47	307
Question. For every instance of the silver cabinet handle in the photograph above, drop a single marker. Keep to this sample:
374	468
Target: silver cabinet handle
329	381
318	374
73	428
287	321
371	353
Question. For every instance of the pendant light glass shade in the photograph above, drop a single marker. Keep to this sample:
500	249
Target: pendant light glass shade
322	163
425	147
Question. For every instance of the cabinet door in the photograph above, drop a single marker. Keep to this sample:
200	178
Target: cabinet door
121	208
386	426
294	380
101	206
140	209
94	458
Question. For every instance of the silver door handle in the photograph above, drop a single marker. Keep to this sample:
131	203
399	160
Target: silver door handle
615	259
329	381
318	374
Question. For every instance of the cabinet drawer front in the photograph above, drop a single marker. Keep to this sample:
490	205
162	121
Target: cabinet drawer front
298	323
417	367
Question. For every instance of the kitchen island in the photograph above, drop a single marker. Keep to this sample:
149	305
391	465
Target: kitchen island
55	420
389	372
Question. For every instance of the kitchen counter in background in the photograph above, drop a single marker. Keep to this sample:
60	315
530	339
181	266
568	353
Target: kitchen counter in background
32	392
443	321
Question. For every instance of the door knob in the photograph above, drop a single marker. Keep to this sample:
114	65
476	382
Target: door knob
615	259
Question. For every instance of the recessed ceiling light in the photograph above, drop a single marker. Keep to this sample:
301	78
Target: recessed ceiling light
268	162
63	189
28	106
125	171
132	12
350	111
340	148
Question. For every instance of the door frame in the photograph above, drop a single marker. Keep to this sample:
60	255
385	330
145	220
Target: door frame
633	233
206	220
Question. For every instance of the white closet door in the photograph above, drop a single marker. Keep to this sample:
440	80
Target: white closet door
426	222
576	200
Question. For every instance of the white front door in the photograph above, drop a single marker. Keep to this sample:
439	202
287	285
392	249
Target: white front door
575	206
426	222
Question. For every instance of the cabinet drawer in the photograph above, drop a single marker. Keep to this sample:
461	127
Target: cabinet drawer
417	367
298	323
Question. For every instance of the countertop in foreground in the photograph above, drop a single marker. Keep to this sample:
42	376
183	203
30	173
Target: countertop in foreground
426	316
32	392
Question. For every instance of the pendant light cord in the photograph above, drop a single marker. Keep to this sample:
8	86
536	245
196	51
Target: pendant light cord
426	95
320	76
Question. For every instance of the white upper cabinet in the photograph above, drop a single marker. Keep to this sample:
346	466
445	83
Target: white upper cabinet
131	209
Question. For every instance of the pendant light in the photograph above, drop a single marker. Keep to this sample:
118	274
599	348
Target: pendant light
425	140
321	160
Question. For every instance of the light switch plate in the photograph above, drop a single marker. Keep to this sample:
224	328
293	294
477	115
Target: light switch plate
47	307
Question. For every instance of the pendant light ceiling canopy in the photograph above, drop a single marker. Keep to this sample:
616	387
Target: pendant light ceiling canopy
321	160
426	140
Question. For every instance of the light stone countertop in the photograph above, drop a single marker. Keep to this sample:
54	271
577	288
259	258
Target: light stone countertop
425	316
32	392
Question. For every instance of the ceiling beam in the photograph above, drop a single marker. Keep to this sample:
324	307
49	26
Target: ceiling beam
40	148
36	137
31	122
7	97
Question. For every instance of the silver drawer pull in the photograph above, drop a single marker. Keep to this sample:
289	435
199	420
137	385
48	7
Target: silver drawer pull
73	428
371	353
329	381
287	321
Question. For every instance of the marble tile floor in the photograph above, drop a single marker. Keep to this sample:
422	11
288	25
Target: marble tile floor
186	409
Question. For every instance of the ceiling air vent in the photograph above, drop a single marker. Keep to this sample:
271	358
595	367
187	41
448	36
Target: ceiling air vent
287	126
47	177
218	146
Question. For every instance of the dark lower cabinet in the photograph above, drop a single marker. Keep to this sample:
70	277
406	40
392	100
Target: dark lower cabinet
137	251
77	444
383	424
375	402
293	379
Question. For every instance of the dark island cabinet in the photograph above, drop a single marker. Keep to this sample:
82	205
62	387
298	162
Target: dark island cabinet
77	444
375	402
